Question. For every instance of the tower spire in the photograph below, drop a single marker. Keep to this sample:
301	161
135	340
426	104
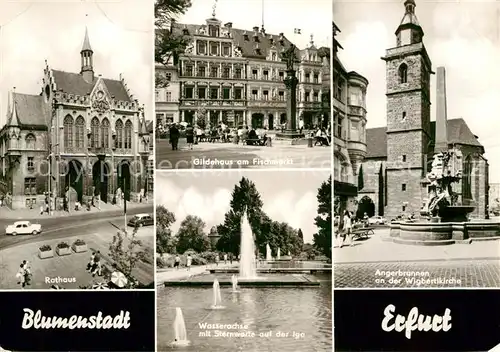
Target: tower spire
214	8
86	54
409	30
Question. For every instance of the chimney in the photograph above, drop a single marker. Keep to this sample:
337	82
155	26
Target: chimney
229	25
256	29
441	138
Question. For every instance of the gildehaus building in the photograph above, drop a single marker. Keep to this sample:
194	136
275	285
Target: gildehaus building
236	77
83	136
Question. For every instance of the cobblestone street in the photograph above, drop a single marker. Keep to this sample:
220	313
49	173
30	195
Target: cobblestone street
376	262
457	273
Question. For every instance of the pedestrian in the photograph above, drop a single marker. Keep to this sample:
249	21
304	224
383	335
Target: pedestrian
177	262
41	209
301	125
188	262
225	258
190	136
347	229
365	219
97	264
174	136
91	262
20	276
231	258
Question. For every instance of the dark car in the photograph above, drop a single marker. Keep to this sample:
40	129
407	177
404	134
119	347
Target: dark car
140	220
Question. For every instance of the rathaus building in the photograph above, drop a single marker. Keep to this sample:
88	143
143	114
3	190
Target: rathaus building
236	77
83	137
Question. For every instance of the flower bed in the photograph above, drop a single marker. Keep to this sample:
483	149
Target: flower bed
45	252
79	246
63	248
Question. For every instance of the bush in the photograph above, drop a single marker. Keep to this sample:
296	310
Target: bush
45	248
161	263
209	256
79	242
196	259
62	245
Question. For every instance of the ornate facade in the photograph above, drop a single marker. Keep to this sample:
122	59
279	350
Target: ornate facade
237	77
349	121
83	136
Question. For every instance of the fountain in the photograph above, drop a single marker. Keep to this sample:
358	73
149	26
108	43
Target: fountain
278	256
180	329
217	296
234	282
448	219
247	250
268	253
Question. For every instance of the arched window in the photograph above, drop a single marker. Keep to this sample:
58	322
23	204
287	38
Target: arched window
79	132
94	137
403	73
68	132
119	134
128	135
467	178
105	133
30	141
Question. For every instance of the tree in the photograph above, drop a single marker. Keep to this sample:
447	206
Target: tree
191	235
300	237
169	42
245	198
323	239
164	240
381	191
126	252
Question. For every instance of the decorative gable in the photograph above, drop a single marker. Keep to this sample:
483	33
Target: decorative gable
100	98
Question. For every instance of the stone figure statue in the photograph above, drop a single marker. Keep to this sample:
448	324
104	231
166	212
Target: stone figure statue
288	56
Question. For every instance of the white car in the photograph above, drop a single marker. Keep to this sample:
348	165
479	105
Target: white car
376	220
23	228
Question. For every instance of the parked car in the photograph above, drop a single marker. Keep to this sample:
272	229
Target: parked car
140	220
23	228
376	220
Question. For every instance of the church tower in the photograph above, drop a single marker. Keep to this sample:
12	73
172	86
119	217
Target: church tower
86	54
408	70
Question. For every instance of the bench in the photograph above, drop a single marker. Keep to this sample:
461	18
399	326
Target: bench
322	141
362	233
213	139
254	141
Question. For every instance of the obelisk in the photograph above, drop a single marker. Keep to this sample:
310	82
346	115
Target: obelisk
441	136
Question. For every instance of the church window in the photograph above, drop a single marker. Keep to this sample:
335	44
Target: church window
128	135
68	131
79	132
404	115
30	141
94	135
105	133
404	158
403	187
467	179
119	133
403	73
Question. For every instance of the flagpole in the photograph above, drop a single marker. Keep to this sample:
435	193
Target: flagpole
125	204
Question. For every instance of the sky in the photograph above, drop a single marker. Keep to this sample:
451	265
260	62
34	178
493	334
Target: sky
120	32
462	36
207	195
280	16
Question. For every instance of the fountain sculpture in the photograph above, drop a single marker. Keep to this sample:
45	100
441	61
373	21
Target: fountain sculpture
449	221
217	299
180	329
268	253
247	250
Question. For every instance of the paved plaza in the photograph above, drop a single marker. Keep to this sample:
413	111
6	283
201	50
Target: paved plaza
220	155
376	262
97	231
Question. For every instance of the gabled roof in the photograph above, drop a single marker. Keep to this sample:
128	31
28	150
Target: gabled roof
27	110
73	83
247	46
458	133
